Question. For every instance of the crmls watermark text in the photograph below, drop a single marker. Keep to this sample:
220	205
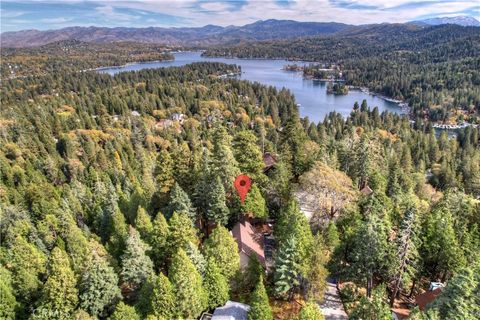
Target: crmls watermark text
44	313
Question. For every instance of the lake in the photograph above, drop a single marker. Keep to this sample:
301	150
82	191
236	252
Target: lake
311	95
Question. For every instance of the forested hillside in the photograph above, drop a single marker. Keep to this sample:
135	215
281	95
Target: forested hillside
116	201
436	69
74	56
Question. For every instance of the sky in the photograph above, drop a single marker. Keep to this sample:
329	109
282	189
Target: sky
56	14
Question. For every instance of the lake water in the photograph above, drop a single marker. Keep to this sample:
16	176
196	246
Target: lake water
311	95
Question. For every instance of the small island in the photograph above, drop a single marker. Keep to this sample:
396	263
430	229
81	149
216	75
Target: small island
337	88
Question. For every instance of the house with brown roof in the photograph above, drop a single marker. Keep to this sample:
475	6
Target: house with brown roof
366	190
269	161
250	241
422	300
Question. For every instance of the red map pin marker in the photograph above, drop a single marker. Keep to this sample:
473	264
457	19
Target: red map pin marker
242	184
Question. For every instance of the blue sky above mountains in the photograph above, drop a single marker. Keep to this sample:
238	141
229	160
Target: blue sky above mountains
51	14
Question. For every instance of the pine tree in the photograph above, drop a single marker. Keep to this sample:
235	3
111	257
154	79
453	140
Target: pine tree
8	302
181	233
183	166
59	294
331	236
317	276
215	285
259	305
217	208
204	184
376	308
223	248
164	172
124	312
196	257
248	154
163	299
223	164
157	298
441	253
27	264
136	265
286	269
461	297
190	296
159	240
98	287
293	224
180	203
310	311
143	223
118	233
251	274
373	252
255	203
407	254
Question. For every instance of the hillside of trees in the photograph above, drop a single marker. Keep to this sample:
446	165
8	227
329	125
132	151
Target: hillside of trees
108	198
74	55
435	69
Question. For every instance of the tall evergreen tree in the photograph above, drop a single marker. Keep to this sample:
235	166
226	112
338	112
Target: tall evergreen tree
59	295
118	234
461	298
259	305
440	251
164	172
196	257
317	276
286	269
159	240
136	265
143	223
373	253
407	254
255	203
180	203
375	308
248	154
163	299
8	302
223	164
217	209
216	285
181	233
27	263
98	287
190	296
223	249
124	312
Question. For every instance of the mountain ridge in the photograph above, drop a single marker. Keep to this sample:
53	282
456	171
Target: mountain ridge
271	29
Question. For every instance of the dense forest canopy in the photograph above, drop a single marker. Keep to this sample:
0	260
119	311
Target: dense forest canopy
117	199
436	69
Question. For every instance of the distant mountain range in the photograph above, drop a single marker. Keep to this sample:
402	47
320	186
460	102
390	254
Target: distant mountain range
464	21
207	35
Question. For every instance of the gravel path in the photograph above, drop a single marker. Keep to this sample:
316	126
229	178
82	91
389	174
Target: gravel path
332	307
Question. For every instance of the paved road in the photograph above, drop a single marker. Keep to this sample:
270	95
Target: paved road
332	307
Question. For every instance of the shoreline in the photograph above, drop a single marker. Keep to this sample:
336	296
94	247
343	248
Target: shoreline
402	104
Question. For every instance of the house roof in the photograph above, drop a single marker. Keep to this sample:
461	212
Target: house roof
231	311
366	190
269	161
249	240
427	297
